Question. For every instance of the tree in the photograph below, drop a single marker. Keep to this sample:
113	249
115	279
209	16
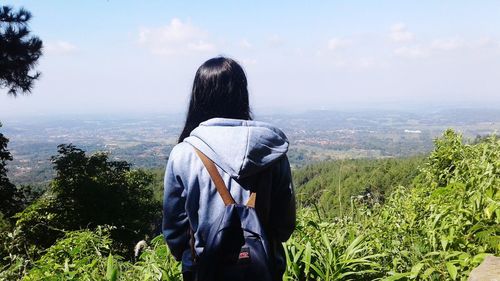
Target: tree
9	196
19	51
89	191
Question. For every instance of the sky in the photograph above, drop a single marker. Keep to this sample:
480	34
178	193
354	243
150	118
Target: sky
110	56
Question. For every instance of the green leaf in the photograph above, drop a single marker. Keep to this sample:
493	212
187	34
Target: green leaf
66	265
444	242
452	270
477	259
307	258
428	272
111	269
415	270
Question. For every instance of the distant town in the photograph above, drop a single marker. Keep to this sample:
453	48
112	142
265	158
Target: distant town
146	141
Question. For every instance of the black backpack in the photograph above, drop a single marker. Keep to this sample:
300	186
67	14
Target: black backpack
236	246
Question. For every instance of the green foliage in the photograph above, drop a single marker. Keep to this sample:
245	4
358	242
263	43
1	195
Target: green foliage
321	250
439	228
159	175
4	224
155	263
42	223
333	186
87	255
81	255
19	51
10	201
445	225
4	229
15	258
89	191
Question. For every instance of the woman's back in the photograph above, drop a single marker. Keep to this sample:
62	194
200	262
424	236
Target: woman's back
249	155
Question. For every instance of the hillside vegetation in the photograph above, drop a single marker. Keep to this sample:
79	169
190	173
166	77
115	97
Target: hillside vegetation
333	187
440	228
437	222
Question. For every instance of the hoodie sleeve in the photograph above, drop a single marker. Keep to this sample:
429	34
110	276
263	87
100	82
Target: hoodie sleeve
282	215
175	224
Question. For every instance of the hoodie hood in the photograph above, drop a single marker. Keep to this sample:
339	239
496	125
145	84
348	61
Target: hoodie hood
240	147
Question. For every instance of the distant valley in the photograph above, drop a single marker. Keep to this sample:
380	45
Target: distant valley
146	141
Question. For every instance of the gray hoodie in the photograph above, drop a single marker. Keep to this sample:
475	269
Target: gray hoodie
249	155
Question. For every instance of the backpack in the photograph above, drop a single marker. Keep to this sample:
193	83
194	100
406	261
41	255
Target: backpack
236	246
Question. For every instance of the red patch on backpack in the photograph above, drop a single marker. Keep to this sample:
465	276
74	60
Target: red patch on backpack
244	255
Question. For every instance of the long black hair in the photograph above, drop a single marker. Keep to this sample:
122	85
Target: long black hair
219	90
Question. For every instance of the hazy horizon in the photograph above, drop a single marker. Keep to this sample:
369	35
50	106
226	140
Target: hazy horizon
257	114
140	58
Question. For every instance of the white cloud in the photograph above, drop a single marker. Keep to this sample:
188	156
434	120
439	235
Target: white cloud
60	47
450	44
484	42
335	44
412	52
399	33
201	46
447	44
177	37
441	46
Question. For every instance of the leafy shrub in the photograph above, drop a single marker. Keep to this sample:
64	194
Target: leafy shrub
81	255
328	251
445	225
89	191
439	228
87	255
332	186
155	263
10	202
4	228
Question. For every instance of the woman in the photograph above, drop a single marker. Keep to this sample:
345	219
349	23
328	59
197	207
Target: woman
249	155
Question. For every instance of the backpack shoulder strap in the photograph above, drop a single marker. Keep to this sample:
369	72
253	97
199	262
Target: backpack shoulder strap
216	178
251	200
